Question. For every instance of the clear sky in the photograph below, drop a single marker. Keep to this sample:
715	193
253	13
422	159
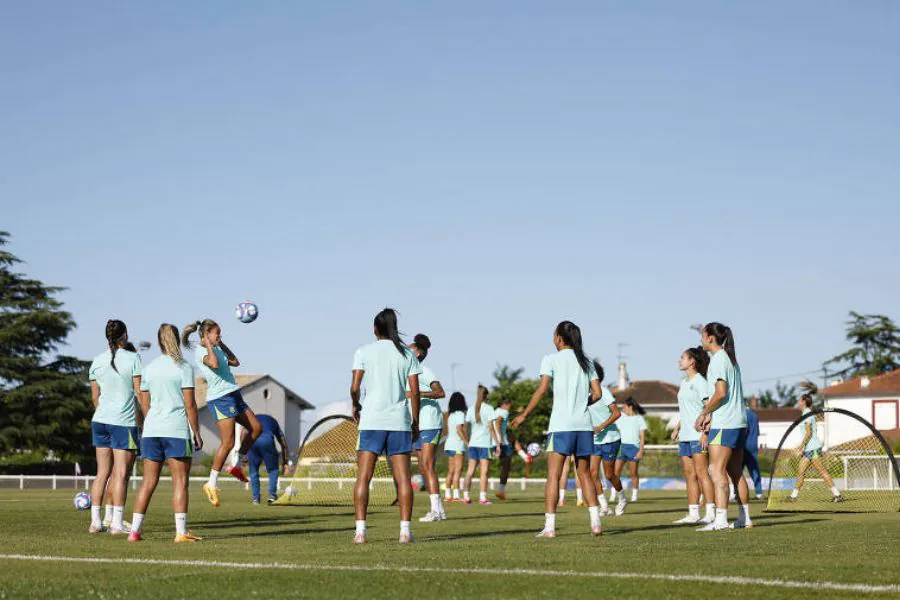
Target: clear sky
486	168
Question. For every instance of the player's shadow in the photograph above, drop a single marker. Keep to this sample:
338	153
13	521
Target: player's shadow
654	512
252	522
471	535
282	532
496	516
761	521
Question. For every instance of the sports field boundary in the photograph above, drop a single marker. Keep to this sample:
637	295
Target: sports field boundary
713	579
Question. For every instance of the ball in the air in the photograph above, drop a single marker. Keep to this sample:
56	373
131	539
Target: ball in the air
533	449
246	312
418	482
82	501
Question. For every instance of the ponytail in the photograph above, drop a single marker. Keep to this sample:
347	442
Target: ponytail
480	395
570	334
168	342
724	337
115	332
700	358
202	326
386	327
637	407
601	373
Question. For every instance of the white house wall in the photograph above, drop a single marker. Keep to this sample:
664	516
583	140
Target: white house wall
841	428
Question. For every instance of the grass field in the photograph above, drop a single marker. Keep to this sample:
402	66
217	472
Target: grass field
481	552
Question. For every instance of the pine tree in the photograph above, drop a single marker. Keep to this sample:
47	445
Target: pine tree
876	346
44	399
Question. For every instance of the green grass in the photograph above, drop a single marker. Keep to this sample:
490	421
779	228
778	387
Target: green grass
849	548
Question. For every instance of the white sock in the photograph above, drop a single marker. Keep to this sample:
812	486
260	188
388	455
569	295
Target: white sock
523	455
95	516
634	494
745	513
594	511
456	493
549	521
137	520
502	488
602	500
466	495
404	528
482	496
612	495
795	492
361	526
579	496
238	459
435	502
213	479
694	510
711	510
118	513
835	492
722	516
181	523
562	495
447	494
107	513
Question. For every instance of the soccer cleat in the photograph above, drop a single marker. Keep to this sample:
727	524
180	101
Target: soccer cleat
272	500
596	530
119	531
620	507
467	501
430	517
708	519
108	522
135	536
407	538
359	538
837	498
605	512
485	502
581	504
500	495
740	524
212	494
443	516
254	501
96	529
546	533
792	498
186	538
688	520
238	473
714	527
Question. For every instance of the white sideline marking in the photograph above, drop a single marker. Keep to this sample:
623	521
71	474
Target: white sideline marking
754	581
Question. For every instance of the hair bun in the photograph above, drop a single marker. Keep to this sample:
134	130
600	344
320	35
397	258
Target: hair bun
422	341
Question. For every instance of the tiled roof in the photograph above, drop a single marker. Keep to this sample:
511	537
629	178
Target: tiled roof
879	385
777	415
649	393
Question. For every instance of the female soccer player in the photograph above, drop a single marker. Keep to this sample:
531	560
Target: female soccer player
431	425
501	420
692	443
388	420
167	400
811	449
456	444
573	378
724	416
484	442
215	359
633	429
114	376
607	440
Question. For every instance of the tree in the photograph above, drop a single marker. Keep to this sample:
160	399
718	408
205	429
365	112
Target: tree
44	404
782	395
876	347
519	391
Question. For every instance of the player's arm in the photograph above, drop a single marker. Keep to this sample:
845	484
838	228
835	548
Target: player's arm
355	387
232	359
676	431
539	393
615	413
95	394
596	392
211	359
463	435
139	414
144	400
806	437
640	453
435	393
415	404
711	405
190	406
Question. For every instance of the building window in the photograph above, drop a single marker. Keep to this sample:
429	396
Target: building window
265	393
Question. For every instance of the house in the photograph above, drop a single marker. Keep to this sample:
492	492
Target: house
875	399
658	398
264	395
774	422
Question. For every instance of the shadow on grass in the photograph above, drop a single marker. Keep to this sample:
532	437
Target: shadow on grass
281	533
487	516
473	535
758	522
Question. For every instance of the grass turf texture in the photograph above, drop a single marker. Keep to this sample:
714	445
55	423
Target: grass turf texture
849	548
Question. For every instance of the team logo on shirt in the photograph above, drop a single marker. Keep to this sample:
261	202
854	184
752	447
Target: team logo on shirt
232	409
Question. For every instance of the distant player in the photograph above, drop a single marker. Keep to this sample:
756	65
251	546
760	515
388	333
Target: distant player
692	444
633	429
264	451
751	451
431	425
387	419
215	361
571	374
115	376
167	399
501	421
456	444
484	444
725	417
811	452
607	440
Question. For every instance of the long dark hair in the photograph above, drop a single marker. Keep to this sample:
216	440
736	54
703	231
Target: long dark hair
724	337
115	331
700	358
810	390
601	373
634	404
571	337
457	403
422	344
386	327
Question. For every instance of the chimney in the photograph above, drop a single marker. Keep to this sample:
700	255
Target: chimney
624	381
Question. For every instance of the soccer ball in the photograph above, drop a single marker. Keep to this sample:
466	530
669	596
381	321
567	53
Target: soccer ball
246	312
418	482
533	449
291	491
82	501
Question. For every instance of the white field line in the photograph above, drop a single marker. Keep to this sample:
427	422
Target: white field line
749	581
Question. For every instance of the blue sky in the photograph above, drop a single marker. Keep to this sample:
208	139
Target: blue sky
486	168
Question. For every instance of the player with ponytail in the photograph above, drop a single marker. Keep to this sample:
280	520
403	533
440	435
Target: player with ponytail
724	417
456	444
114	375
215	360
484	443
387	417
811	448
573	378
607	440
431	425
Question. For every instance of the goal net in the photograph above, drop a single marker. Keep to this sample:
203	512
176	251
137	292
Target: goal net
326	468
859	464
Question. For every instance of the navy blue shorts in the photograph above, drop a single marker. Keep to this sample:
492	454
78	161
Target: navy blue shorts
608	451
228	406
812	454
117	437
476	453
378	441
506	450
730	438
690	448
452	453
428	436
158	449
628	453
579	443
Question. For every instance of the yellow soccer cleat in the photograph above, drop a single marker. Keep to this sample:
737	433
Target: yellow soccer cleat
212	494
187	538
